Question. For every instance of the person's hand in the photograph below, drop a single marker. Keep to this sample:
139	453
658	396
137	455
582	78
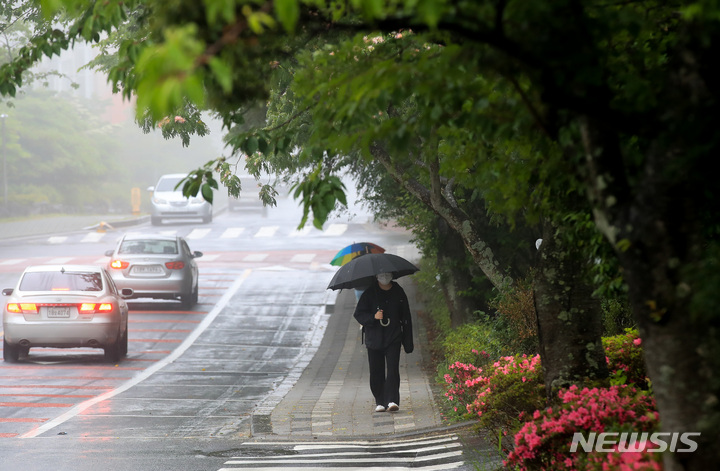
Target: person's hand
379	314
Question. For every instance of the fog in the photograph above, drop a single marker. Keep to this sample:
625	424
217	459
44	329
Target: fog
69	145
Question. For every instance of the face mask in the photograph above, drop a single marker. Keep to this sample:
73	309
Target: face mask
384	278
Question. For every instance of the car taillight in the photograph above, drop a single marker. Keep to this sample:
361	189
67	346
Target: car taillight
25	308
92	308
119	264
175	265
86	308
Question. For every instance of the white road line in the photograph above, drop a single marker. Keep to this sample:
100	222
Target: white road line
198	233
208	258
58	261
335	230
232	232
301	232
380	467
380	460
302	257
267	231
12	261
57	239
187	343
255	257
93	236
422	453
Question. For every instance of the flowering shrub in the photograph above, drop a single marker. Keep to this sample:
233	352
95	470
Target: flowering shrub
625	359
506	393
544	441
498	396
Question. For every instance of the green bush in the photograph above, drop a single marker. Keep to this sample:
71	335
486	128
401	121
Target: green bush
616	316
625	359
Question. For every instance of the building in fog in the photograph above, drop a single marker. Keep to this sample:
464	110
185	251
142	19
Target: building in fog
67	68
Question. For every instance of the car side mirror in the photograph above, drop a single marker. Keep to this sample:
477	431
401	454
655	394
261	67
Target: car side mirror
127	292
109	253
197	254
7	291
151	189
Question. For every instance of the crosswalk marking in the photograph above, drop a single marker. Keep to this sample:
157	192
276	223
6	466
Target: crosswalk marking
232	232
93	237
255	257
59	260
425	453
302	257
300	232
267	231
210	258
335	230
317	259
12	261
198	233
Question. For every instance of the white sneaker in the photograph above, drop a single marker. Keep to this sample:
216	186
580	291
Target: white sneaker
392	407
379	408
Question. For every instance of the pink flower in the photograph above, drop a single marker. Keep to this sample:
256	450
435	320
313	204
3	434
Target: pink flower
637	341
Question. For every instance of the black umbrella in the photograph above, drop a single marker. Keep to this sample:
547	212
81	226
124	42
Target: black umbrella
360	272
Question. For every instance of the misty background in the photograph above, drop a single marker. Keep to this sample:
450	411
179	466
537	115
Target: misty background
70	146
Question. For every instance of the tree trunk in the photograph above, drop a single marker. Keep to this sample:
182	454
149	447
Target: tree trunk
569	318
659	239
451	260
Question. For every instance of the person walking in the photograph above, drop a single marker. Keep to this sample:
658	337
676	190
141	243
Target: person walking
384	312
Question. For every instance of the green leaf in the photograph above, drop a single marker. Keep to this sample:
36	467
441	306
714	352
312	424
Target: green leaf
222	73
207	192
287	12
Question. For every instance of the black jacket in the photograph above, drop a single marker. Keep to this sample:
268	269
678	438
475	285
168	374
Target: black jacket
396	308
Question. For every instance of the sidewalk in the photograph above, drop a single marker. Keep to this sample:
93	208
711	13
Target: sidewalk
332	397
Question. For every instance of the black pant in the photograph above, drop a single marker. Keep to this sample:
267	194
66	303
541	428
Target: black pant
385	387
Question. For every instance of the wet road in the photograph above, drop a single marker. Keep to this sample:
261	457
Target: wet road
184	396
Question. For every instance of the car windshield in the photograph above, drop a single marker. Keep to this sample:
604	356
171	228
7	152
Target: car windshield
168	184
149	246
61	281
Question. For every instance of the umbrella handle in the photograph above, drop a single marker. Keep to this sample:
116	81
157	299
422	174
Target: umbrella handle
385	324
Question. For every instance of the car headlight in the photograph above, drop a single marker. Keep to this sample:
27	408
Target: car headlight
159	200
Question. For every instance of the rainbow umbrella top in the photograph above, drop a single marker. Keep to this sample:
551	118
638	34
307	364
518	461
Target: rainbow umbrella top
355	250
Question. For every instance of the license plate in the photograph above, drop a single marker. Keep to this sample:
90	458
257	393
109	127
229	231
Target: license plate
58	311
147	270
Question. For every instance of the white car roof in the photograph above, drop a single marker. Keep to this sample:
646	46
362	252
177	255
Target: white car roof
174	175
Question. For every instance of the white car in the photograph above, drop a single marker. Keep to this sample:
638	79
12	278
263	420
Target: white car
65	306
168	202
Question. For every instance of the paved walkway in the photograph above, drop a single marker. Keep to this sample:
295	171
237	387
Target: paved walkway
332	397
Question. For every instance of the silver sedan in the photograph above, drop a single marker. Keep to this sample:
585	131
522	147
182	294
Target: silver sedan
155	266
65	306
